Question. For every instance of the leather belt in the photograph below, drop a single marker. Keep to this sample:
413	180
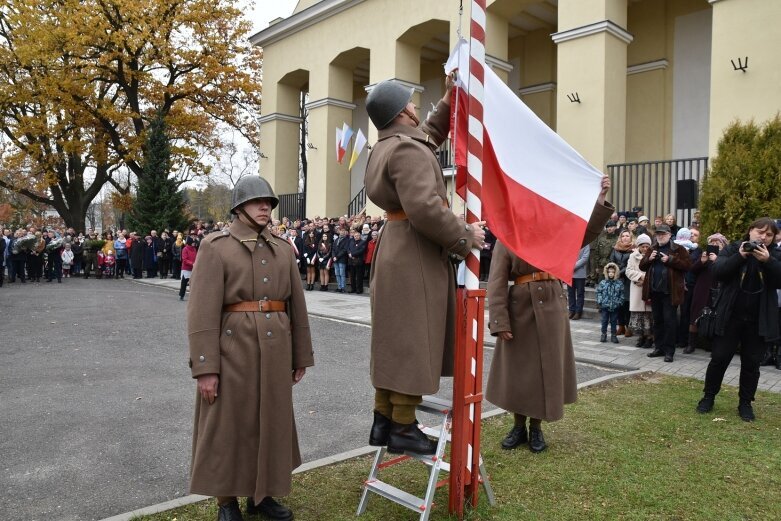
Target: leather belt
533	277
261	306
401	215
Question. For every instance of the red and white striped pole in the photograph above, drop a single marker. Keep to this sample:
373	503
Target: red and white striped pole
468	370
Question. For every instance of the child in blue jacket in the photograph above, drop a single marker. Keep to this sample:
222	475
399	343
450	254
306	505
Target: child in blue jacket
610	297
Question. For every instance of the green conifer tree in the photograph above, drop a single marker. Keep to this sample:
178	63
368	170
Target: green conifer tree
744	182
159	203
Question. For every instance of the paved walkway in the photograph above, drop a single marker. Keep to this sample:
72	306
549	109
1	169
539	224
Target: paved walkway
585	338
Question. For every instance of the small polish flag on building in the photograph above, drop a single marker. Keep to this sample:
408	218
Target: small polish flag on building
344	142
538	192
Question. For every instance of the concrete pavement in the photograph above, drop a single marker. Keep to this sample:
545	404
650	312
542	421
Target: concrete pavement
585	338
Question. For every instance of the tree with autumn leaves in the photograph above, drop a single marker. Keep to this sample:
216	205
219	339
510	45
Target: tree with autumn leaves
81	80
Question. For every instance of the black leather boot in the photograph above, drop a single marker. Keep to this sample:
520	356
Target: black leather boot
640	340
409	438
689	349
378	437
230	512
517	436
778	358
746	411
269	509
603	337
649	342
705	405
536	440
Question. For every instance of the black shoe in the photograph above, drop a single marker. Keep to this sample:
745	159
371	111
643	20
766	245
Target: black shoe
536	440
688	349
746	411
649	343
668	358
706	404
381	427
778	362
230	512
578	315
656	353
603	337
516	436
269	509
409	438
614	339
571	315
640	340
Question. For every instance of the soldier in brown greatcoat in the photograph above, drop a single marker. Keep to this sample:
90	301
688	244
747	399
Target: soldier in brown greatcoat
533	369
249	344
412	283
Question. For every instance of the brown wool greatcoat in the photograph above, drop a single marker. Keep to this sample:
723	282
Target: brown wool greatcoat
245	443
412	282
534	373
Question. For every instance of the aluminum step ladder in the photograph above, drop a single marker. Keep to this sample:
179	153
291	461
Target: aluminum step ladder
443	409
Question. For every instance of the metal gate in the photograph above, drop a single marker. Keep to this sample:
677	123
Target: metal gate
292	206
653	185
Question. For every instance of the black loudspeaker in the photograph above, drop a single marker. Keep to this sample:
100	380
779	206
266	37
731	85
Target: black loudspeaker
686	194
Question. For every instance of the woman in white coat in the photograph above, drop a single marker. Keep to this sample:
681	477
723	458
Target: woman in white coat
640	316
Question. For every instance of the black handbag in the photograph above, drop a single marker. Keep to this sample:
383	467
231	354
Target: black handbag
706	322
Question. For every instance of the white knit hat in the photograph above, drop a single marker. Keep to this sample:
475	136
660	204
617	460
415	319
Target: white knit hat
643	239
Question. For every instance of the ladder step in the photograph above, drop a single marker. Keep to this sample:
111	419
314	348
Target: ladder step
434	433
396	495
436	405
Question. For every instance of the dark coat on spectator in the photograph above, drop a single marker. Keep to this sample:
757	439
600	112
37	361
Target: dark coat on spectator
413	290
677	267
534	373
728	269
702	288
356	251
245	443
339	249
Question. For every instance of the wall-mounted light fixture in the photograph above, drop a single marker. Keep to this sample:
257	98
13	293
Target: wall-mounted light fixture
741	66
573	98
311	146
262	155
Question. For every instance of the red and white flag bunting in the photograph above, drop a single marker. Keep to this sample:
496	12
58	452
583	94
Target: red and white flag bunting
537	191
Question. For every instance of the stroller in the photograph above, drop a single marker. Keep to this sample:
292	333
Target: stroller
107	263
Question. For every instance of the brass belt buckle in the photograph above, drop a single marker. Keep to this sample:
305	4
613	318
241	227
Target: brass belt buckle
260	306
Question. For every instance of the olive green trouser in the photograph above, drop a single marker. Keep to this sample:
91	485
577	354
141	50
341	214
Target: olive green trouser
397	406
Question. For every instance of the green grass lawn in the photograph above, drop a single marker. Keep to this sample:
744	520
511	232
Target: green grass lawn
630	450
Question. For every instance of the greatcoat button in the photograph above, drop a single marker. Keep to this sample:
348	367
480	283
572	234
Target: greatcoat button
265	279
268	315
540	302
268	334
202	358
539	288
264	262
260	245
265	298
228	332
462	241
468	228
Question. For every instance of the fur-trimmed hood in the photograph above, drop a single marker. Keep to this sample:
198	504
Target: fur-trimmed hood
611	265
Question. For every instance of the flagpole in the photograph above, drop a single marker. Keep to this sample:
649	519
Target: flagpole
465	462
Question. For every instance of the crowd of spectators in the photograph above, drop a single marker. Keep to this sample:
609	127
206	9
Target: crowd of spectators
667	282
326	249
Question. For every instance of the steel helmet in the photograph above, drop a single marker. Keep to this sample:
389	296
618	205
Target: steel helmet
386	101
252	187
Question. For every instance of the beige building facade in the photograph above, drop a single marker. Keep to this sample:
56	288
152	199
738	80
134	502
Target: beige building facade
631	84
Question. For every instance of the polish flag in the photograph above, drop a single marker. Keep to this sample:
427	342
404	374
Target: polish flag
537	191
347	134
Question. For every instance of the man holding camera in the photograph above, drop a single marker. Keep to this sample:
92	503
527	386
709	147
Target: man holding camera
666	263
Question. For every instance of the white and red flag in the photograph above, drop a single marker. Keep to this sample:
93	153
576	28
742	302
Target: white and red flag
537	191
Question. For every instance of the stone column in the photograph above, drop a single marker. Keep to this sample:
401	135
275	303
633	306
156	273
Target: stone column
279	137
592	60
330	106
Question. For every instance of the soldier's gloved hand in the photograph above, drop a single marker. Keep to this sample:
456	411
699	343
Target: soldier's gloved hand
298	374
478	235
207	386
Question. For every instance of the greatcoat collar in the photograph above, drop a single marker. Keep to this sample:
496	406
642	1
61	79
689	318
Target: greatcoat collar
249	238
405	130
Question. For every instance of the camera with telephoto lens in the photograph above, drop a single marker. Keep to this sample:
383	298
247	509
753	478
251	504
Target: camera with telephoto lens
752	245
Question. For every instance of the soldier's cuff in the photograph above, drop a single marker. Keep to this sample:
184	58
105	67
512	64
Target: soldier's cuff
499	324
463	245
